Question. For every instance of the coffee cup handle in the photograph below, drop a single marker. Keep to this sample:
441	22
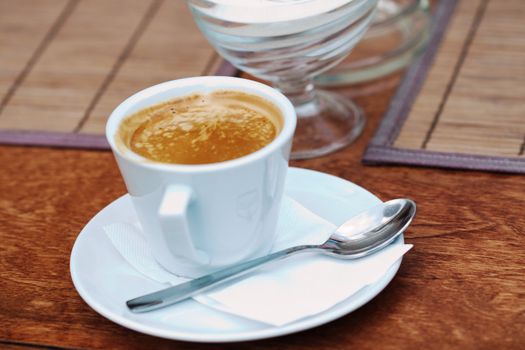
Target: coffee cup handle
174	223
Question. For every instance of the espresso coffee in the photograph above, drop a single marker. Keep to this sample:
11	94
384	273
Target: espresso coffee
202	128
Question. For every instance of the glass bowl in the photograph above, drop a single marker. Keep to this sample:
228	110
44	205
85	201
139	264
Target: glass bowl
399	32
289	43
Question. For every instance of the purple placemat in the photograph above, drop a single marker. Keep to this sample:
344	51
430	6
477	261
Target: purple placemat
73	139
381	149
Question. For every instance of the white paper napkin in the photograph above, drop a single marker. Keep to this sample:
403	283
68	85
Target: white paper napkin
285	291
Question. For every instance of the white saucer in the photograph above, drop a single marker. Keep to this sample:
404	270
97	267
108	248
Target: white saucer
105	280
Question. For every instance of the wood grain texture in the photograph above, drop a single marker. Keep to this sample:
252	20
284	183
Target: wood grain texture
8	345
462	286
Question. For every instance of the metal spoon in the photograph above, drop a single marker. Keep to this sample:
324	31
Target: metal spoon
362	235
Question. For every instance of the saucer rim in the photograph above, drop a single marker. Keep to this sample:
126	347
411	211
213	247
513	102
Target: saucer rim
269	331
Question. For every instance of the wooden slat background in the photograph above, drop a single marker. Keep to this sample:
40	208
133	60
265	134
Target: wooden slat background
473	99
66	64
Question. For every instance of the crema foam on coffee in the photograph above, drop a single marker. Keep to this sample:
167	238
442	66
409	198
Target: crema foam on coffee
202	128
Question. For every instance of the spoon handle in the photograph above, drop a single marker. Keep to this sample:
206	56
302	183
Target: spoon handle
188	289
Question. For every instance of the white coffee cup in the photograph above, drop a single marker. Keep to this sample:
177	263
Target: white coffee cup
198	218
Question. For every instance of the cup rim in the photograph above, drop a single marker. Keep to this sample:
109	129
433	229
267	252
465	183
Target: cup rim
200	84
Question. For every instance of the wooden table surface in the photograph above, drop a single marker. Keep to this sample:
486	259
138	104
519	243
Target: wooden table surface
462	286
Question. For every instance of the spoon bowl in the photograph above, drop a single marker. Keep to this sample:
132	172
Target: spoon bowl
360	236
371	230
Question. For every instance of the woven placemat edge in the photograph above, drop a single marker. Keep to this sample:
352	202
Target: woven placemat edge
380	155
76	140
